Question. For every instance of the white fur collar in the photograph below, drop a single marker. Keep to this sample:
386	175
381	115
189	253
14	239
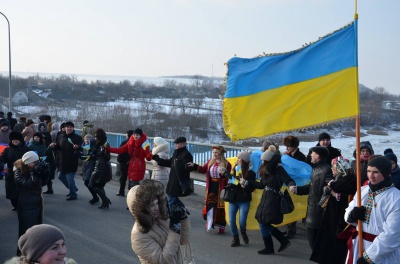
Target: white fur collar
160	148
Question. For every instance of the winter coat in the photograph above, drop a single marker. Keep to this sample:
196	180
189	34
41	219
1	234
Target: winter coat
241	194
68	156
102	172
137	164
28	132
22	260
395	175
297	154
87	162
179	170
88	128
320	176
10	155
19	127
268	210
152	240
363	167
160	173
12	122
54	132
30	201
4	136
38	147
333	153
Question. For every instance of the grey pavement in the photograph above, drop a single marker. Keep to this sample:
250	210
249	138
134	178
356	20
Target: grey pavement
103	236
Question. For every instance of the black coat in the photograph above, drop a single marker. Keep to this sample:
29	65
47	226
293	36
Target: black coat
268	210
123	159
333	153
68	156
9	156
102	172
179	170
242	194
320	176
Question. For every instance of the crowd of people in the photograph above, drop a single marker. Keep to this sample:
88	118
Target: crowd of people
162	222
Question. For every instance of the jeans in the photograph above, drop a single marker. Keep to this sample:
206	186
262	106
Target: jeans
68	179
265	230
132	184
174	200
243	208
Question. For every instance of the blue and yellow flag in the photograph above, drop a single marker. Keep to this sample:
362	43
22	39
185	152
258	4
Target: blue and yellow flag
311	86
146	144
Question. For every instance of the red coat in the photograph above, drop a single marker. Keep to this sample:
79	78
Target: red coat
137	164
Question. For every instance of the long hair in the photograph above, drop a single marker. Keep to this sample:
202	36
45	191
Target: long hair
24	168
245	169
100	137
269	167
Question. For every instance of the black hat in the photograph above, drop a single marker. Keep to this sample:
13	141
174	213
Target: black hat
387	151
390	155
382	164
69	123
4	123
15	135
180	140
324	135
138	131
291	141
321	151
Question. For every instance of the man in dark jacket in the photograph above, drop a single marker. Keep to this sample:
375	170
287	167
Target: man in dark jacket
68	144
324	140
320	176
179	170
11	120
19	127
123	160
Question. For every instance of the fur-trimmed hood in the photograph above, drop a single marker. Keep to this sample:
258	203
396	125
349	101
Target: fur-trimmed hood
139	200
161	148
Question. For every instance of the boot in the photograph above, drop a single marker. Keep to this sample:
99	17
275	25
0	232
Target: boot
245	237
235	241
291	231
49	188
281	238
105	202
269	246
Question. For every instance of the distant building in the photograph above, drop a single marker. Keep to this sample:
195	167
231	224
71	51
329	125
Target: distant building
19	98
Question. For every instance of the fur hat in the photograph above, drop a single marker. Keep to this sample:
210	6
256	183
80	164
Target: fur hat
15	135
244	155
269	153
324	135
383	164
69	124
30	157
138	131
38	134
139	199
291	141
37	240
321	151
162	145
180	140
390	155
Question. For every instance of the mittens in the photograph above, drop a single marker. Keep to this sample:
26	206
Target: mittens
156	157
362	261
358	213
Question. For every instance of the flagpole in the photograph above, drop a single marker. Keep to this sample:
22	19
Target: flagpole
358	162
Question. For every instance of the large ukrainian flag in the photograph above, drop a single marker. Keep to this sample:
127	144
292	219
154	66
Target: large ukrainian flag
310	86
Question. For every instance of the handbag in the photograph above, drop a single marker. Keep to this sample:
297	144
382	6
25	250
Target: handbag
186	186
286	203
227	195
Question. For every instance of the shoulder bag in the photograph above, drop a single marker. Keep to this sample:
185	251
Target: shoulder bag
227	194
286	203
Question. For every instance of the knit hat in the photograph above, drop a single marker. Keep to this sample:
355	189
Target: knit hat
269	153
387	150
324	135
180	140
244	155
30	157
138	131
382	164
321	151
291	141
37	240
390	155
69	124
15	135
159	141
4	123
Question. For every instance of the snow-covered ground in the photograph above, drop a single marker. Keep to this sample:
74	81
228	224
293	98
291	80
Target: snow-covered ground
347	144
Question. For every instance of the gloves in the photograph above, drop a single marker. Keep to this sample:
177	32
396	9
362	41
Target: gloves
243	182
175	218
358	213
156	157
40	167
362	261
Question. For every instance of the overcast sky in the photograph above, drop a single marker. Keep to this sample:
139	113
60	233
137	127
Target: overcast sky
185	37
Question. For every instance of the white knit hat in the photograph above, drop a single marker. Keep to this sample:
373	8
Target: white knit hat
269	153
30	157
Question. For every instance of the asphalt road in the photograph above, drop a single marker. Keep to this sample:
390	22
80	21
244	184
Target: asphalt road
103	236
